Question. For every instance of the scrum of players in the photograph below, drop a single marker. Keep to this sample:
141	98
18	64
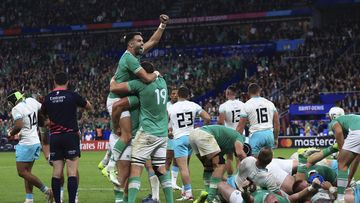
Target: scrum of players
150	131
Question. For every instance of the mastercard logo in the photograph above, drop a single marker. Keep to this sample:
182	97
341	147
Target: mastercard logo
286	143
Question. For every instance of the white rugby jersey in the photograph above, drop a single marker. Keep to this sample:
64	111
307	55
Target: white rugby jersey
168	105
232	111
182	115
27	110
260	113
261	177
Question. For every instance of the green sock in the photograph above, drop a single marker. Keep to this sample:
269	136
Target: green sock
119	149
125	198
213	188
119	193
165	181
134	187
329	150
342	181
206	177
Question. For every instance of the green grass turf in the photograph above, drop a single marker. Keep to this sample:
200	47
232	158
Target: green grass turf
93	186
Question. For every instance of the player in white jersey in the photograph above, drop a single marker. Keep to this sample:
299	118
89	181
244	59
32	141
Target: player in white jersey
170	146
182	115
25	115
255	170
229	115
263	118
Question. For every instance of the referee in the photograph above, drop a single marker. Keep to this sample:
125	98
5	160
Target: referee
60	106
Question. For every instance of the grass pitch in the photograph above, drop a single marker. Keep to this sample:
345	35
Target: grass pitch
93	188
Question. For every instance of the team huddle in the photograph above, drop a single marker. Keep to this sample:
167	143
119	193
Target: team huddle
150	131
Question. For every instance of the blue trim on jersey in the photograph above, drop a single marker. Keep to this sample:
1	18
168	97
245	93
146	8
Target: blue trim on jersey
27	153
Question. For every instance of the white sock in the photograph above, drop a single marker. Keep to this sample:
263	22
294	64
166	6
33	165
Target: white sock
106	158
111	164
62	194
174	174
155	187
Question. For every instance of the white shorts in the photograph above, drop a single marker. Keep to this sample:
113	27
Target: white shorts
284	164
112	140
146	146
352	142
277	172
109	105
203	143
236	197
126	155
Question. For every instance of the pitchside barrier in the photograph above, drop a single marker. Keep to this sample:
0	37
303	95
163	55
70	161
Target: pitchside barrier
284	142
300	141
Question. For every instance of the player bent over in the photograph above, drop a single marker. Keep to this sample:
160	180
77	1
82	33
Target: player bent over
210	144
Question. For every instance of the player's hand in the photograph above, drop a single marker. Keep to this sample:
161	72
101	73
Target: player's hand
276	143
171	135
9	132
164	18
326	185
49	161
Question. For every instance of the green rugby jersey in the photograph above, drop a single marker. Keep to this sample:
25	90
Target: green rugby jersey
324	171
153	98
347	122
260	195
127	67
224	136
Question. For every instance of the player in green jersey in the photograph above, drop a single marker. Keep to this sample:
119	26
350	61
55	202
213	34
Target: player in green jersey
210	144
349	147
151	138
129	68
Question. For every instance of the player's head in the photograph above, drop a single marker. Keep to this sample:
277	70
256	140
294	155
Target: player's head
254	89
336	112
61	79
230	92
174	95
134	42
183	92
265	156
271	198
148	66
14	97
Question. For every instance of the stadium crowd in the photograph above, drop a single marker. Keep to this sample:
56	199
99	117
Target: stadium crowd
15	14
93	57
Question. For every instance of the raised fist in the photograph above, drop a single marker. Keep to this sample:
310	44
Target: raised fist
164	18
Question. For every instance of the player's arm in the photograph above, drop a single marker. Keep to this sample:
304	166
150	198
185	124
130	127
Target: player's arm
276	123
119	88
155	38
339	135
312	189
18	125
205	116
147	77
88	106
239	150
221	120
241	125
